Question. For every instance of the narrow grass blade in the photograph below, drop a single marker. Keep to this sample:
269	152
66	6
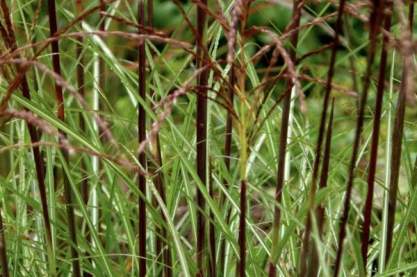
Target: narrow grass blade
3	250
212	268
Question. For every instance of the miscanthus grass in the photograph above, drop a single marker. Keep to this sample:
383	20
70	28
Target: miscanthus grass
207	138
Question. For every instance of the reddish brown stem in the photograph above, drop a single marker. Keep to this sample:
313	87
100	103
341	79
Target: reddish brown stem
81	91
375	20
367	211
201	134
229	117
142	137
325	167
161	241
286	105
397	137
241	265
10	41
316	164
314	263
53	27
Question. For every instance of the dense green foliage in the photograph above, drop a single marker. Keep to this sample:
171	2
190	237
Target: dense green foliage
246	50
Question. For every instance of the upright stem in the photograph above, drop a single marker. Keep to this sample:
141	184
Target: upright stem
227	158
283	140
367	211
228	132
142	137
375	20
314	256
162	244
81	91
61	115
397	136
34	135
387	168
316	164
201	135
242	230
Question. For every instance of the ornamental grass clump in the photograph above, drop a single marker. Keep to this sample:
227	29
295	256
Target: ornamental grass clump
207	138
